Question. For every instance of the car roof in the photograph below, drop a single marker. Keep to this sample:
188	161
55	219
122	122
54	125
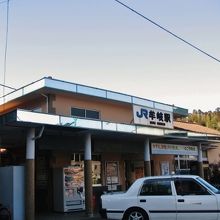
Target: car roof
170	176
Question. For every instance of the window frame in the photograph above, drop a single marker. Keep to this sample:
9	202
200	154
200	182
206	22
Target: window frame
85	113
157	180
80	109
94	111
191	194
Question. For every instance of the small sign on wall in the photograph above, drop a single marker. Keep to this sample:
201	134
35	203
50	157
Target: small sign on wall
165	168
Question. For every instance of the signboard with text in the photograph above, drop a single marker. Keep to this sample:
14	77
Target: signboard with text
152	117
175	149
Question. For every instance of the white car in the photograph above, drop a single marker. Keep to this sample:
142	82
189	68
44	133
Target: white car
182	197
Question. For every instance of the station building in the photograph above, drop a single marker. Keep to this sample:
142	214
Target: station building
105	139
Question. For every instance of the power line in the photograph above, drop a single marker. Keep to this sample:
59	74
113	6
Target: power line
9	87
6	47
171	33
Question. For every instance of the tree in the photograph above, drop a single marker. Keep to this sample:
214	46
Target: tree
209	119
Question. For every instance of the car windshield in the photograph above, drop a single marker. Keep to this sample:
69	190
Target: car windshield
208	185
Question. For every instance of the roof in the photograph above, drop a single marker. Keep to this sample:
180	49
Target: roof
195	128
60	85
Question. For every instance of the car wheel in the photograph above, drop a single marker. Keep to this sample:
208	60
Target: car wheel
135	214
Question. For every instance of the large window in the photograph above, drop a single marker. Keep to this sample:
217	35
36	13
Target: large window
85	113
189	187
161	187
185	164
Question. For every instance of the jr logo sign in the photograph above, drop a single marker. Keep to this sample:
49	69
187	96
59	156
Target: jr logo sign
143	113
152	117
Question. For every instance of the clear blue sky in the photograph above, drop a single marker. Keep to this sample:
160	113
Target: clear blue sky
102	44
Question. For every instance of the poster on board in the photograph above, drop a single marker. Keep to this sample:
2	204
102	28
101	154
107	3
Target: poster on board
165	168
112	173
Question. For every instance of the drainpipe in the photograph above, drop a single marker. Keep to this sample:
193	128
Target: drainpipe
40	134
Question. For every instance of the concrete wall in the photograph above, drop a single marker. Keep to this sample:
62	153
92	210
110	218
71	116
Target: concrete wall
214	155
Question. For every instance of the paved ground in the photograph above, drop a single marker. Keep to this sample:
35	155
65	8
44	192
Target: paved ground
67	216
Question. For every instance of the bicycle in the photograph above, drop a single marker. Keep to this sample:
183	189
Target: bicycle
5	213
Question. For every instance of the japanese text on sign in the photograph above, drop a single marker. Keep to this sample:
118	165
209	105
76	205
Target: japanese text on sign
159	148
152	117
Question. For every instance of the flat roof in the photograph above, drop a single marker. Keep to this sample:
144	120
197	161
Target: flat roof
49	82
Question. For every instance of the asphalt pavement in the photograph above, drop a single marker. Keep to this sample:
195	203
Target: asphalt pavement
67	216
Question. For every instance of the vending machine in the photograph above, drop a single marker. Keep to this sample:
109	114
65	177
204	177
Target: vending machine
69	188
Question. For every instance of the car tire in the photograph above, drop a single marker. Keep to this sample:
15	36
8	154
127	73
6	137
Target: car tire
135	214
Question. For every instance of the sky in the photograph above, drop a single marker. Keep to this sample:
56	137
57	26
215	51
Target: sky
102	44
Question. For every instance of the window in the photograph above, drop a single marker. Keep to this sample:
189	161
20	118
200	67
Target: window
189	187
185	164
204	154
92	114
156	188
85	113
78	112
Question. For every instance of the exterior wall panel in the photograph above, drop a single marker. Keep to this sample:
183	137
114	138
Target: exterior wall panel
214	155
109	111
158	159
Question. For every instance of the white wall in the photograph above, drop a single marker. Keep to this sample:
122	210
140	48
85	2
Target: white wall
12	190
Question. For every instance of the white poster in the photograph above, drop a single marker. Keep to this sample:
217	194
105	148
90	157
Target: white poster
165	168
112	173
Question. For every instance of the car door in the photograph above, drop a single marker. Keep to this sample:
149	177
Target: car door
157	199
194	201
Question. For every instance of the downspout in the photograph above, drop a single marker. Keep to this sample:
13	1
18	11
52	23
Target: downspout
40	134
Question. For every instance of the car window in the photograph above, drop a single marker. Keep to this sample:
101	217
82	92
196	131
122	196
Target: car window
156	188
208	185
189	187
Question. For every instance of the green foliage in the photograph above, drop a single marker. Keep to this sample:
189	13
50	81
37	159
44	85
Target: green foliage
209	119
